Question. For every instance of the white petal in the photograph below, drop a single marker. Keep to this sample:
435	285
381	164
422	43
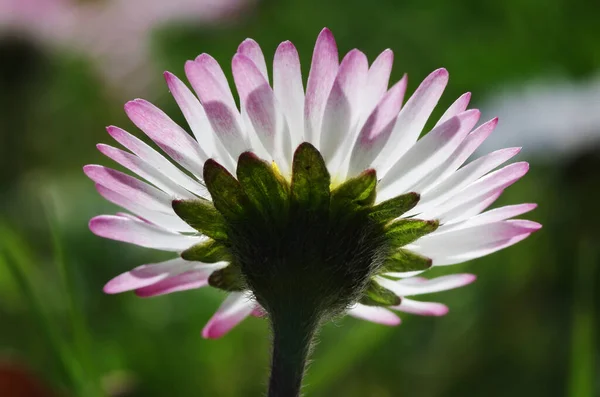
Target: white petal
252	51
235	308
469	208
412	119
460	155
343	107
220	108
289	90
146	171
259	103
171	138
323	70
374	314
459	106
196	277
168	221
378	80
196	117
495	215
158	161
130	187
454	246
146	275
427	154
422	308
140	233
377	128
420	286
452	192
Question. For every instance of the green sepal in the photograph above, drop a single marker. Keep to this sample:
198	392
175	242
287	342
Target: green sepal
310	179
226	192
403	260
228	279
263	187
394	207
203	216
376	295
405	231
359	190
210	251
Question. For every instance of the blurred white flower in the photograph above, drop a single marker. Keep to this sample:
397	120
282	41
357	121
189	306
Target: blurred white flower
114	34
549	119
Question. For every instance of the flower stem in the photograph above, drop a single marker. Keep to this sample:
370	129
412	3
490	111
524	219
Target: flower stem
292	342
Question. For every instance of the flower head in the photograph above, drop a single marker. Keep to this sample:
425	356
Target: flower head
315	202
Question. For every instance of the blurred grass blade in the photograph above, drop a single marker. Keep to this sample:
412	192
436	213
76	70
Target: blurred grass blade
67	366
81	336
582	368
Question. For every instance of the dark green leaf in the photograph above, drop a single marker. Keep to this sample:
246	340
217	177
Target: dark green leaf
208	252
358	190
263	187
376	295
202	216
394	208
405	231
226	192
310	178
403	260
228	279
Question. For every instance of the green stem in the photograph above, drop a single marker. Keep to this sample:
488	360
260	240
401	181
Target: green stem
292	341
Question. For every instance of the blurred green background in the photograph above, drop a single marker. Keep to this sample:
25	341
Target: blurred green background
527	327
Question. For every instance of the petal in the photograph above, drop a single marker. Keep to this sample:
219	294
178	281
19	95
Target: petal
219	106
252	51
146	275
171	138
168	221
460	155
459	106
495	215
158	161
374	314
378	79
420	286
452	192
140	233
422	308
454	246
145	170
411	120
375	132
469	207
129	187
258	100
477	251
196	117
193	279
427	154
342	108
235	308
289	90
323	70
209	72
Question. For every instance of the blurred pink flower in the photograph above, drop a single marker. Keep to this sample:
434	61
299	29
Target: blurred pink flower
114	34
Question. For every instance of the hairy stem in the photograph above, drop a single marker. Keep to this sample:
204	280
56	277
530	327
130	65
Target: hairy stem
292	341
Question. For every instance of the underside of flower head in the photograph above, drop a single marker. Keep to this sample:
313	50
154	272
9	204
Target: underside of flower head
319	199
299	245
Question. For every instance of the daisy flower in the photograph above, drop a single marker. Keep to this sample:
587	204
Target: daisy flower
305	204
